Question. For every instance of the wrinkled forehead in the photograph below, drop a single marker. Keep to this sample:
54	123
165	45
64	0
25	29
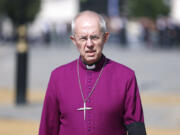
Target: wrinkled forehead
87	24
87	15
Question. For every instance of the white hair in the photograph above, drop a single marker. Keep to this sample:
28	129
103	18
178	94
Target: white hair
102	23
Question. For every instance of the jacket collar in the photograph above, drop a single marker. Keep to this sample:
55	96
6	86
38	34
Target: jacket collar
95	67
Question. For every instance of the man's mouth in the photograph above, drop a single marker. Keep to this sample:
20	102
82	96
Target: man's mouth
91	53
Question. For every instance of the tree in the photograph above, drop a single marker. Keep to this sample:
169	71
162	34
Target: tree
20	12
99	6
148	8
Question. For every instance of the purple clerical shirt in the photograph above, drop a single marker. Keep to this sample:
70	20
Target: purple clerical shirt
115	101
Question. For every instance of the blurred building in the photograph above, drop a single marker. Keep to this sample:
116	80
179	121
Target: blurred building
52	16
58	10
175	12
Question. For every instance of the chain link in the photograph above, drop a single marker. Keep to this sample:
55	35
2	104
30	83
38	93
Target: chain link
85	100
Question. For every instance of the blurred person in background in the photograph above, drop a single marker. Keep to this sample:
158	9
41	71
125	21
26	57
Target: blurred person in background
93	94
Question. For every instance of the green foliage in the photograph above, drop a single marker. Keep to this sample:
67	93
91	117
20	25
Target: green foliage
148	8
83	1
2	3
20	11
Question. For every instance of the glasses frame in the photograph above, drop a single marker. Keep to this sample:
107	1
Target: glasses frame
94	38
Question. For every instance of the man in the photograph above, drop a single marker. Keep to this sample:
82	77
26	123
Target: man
92	95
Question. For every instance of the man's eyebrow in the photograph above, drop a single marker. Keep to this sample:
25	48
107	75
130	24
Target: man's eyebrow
82	36
94	35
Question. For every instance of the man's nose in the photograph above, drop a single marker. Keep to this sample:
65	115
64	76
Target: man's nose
89	42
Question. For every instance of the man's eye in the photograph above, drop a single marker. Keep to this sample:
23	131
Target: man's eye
83	38
94	37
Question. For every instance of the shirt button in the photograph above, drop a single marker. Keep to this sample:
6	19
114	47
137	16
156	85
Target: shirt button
89	122
89	129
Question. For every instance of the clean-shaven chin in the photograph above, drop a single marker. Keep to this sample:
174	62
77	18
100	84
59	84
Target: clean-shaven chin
90	58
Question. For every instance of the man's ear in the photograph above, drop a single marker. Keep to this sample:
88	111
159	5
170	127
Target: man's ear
73	39
106	37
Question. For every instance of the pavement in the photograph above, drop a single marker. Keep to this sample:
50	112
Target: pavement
157	73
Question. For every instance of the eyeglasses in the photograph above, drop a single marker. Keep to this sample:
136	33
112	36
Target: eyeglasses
84	39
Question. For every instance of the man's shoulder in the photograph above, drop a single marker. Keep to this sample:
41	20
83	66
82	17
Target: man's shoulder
65	68
120	68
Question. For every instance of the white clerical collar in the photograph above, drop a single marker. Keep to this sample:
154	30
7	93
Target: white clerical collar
97	65
91	67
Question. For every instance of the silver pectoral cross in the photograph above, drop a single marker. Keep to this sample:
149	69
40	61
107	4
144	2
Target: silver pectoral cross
84	109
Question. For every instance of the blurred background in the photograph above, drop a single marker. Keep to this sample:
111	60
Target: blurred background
34	39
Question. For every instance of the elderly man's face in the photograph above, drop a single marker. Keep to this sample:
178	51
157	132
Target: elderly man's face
89	39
